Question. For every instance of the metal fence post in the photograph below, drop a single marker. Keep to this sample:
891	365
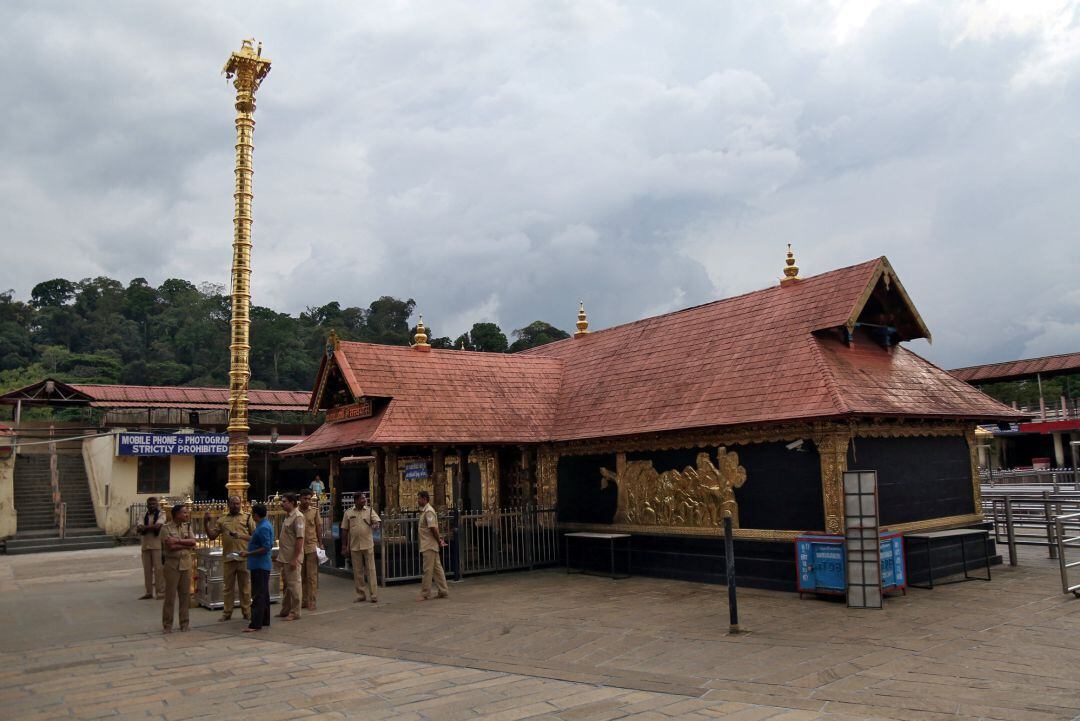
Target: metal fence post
1062	566
729	573
458	541
1049	524
1010	532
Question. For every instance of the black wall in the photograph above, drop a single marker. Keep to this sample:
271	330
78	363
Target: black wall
782	490
581	500
918	478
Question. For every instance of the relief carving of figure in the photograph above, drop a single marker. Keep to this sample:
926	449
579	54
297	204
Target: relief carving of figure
698	496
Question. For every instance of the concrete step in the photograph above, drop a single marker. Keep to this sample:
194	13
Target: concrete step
52	533
19	546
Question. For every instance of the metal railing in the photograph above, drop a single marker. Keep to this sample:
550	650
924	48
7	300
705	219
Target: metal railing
1026	517
477	542
1057	479
1064	525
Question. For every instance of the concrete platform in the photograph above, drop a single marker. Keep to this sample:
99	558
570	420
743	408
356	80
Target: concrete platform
539	645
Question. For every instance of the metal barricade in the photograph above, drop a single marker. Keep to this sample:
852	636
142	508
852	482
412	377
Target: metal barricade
478	542
1066	524
1027	518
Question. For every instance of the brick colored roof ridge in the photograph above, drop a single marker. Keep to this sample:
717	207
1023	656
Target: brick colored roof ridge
868	264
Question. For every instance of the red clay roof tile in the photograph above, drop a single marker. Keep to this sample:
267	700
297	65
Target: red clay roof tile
760	357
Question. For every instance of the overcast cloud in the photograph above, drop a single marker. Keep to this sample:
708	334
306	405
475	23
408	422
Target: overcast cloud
500	161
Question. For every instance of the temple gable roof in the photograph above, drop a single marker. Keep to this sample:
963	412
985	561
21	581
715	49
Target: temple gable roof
817	348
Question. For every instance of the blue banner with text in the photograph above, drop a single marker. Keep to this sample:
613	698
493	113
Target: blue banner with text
172	444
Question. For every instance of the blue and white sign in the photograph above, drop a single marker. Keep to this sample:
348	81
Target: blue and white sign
172	444
416	471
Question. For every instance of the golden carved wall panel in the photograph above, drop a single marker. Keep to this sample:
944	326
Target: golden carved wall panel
696	497
832	450
547	462
488	462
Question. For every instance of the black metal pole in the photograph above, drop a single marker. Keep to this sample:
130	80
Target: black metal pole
729	573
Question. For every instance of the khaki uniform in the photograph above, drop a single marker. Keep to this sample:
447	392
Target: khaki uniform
357	527
235	572
292	528
310	565
429	551
177	574
153	571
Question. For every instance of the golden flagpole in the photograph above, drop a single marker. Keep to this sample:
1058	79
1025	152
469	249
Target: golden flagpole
246	69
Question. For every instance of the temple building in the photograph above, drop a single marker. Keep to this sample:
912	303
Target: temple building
754	404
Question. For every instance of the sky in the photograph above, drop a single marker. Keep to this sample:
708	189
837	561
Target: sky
500	161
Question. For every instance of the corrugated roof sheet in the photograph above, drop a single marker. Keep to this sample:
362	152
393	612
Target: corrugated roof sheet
128	396
1019	369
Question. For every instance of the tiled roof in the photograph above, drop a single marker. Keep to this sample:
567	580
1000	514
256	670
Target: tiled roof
333	436
124	396
771	355
749	359
1020	369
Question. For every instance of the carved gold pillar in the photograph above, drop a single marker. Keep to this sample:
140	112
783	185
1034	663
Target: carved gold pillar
547	461
247	68
376	482
832	448
393	480
976	485
488	462
438	476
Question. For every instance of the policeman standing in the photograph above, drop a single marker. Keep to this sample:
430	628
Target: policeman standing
312	542
233	529
178	542
357	528
150	544
291	555
431	543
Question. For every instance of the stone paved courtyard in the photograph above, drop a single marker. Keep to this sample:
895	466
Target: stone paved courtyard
539	645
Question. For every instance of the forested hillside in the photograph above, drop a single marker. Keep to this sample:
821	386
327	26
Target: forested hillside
98	330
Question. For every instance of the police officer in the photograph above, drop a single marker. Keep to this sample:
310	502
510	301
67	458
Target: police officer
234	528
312	542
290	556
430	545
150	544
357	528
178	542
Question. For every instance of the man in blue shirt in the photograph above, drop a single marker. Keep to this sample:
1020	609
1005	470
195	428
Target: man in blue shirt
260	546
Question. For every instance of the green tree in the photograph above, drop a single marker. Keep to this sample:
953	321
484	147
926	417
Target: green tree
487	337
52	293
535	334
388	321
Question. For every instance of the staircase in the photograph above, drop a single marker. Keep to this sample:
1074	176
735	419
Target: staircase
37	530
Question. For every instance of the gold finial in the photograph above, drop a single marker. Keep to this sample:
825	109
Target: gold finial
333	343
791	271
582	321
421	336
